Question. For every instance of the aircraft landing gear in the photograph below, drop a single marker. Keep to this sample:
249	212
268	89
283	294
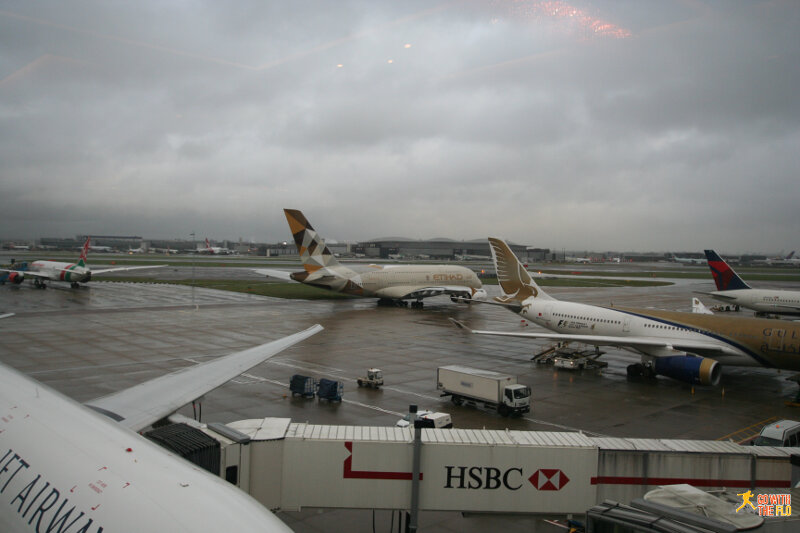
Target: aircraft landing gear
417	305
75	285
638	371
39	284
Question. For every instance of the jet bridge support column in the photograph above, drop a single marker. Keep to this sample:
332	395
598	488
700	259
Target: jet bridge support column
415	467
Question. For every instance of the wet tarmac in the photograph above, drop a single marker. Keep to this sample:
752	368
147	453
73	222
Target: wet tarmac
104	337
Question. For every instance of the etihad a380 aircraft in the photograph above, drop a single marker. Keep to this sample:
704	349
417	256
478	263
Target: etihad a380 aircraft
733	290
73	273
389	283
65	467
689	347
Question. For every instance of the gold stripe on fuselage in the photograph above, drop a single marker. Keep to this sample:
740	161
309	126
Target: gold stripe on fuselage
773	343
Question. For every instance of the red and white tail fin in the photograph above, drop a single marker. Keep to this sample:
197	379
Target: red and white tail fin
82	259
208	245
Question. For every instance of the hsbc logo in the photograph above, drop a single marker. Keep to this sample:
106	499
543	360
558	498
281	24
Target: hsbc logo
548	479
491	478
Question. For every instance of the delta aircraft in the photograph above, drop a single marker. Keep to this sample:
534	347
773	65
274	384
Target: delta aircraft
65	467
73	273
689	347
733	290
388	283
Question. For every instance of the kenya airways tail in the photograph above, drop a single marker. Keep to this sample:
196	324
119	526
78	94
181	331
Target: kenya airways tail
82	260
724	276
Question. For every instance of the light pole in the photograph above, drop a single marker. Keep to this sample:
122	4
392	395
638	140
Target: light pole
195	245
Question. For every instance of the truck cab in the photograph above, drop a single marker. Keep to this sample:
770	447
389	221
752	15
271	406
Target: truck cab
516	399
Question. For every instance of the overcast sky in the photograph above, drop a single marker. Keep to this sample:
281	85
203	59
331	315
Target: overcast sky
601	125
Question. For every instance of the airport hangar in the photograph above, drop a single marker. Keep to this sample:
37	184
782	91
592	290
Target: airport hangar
108	336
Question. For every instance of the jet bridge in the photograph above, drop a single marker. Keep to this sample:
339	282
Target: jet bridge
288	466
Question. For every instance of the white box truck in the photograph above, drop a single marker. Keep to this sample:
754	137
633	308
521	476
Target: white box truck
495	390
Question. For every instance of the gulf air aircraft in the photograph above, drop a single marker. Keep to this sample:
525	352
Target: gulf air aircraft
733	290
84	468
388	283
73	273
689	347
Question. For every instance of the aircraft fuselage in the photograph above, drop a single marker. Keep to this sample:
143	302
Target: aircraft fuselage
762	300
58	271
745	341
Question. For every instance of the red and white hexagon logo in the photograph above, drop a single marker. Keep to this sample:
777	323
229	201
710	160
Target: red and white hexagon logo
548	479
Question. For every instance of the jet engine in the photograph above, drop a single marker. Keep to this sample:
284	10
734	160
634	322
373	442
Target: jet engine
689	369
15	277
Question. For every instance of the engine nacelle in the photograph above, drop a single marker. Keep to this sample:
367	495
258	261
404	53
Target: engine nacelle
15	277
689	369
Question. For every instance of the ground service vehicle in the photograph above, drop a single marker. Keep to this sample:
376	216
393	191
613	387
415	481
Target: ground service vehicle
374	378
328	389
305	386
428	420
780	433
493	389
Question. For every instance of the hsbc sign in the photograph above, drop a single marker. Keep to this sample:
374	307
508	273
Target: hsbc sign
491	478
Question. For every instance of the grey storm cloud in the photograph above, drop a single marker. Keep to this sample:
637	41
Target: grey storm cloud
638	125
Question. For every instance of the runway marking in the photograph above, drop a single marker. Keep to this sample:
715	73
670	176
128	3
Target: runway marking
568	428
308	366
748	432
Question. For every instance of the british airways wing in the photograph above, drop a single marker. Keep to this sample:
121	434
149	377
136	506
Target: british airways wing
144	404
67	468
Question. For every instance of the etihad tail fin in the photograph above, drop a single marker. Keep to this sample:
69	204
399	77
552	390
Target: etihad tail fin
724	276
790	255
82	260
314	254
514	280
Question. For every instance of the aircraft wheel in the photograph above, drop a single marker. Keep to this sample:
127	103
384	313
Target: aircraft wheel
637	371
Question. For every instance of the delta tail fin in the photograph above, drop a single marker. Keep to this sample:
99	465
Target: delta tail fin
724	276
82	260
514	280
314	254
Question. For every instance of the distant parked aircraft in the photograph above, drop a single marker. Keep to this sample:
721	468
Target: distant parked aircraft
388	283
733	290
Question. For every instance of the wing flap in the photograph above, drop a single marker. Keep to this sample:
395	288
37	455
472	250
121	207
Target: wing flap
141	405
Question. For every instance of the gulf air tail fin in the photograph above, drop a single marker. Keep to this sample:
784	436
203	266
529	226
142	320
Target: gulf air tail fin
82	260
724	276
514	280
314	254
